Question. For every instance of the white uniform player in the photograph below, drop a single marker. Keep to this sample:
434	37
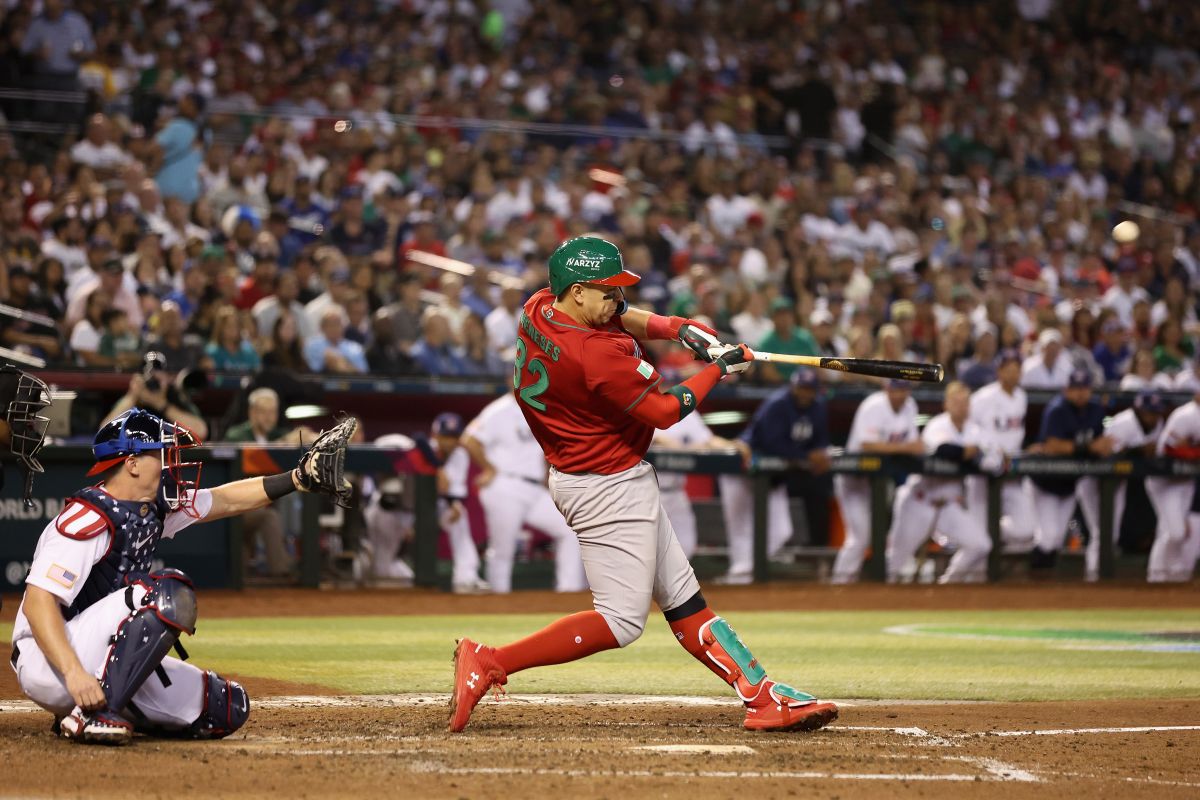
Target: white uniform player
61	566
513	494
926	502
1177	538
999	409
690	433
886	422
1136	428
453	464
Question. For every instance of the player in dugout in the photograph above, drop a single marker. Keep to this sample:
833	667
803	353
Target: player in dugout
593	403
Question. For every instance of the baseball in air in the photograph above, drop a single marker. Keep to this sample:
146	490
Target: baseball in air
1127	231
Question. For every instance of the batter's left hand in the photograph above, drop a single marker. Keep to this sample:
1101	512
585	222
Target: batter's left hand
696	337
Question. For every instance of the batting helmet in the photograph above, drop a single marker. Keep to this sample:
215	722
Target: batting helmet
588	259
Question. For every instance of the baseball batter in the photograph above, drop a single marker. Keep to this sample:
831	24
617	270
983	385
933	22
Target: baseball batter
1177	539
926	503
512	491
999	409
690	433
91	638
1134	432
593	403
1072	425
886	422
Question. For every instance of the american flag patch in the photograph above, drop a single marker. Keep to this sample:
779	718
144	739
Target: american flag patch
61	575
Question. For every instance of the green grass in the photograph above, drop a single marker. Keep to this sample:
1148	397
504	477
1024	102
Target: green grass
833	654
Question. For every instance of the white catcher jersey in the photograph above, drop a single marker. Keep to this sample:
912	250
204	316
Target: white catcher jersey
1000	417
507	441
689	432
875	421
1126	432
61	565
1182	428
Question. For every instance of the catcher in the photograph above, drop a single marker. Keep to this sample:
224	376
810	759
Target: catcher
91	638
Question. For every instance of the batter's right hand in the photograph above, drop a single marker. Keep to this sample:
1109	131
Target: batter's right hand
735	359
85	691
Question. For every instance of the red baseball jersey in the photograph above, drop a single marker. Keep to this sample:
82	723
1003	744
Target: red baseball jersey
576	385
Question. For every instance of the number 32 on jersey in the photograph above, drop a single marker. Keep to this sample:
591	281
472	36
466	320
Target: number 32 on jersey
537	371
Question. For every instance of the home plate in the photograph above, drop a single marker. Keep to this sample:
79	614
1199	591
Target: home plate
713	749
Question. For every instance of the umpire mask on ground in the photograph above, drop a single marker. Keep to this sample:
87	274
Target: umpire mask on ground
23	397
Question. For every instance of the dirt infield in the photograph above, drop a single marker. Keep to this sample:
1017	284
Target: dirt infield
398	747
304	742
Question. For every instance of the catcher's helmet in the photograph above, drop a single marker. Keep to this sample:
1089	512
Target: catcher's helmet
588	259
138	432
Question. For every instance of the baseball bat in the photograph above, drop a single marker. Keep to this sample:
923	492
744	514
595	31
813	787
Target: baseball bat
903	370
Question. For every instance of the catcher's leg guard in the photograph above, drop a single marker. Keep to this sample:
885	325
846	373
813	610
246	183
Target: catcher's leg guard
226	708
141	642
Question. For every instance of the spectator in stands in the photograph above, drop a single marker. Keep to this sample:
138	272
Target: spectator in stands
1171	350
501	322
23	333
1126	292
56	43
284	299
406	312
116	285
85	334
477	357
1049	368
1112	352
435	352
981	368
119	341
195	283
451	306
352	233
259	284
330	351
157	389
785	337
174	157
284	352
792	424
66	242
170	338
50	288
228	349
385	355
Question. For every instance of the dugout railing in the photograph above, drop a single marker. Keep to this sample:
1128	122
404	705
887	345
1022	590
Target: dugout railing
883	471
217	557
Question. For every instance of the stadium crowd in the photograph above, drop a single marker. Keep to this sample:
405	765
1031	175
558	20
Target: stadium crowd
280	184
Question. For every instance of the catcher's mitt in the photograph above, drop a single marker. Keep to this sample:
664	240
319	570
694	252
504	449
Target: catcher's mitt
322	467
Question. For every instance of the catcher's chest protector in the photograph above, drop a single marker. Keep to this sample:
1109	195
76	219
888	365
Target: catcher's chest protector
136	529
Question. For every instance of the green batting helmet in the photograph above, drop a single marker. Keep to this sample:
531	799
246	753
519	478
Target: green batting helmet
588	259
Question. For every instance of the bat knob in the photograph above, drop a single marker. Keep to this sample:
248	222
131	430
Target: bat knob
941	373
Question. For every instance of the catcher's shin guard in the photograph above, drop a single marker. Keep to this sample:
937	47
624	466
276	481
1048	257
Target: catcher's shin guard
144	638
226	708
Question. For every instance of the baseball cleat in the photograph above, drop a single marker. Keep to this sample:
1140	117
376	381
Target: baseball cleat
475	672
101	727
786	709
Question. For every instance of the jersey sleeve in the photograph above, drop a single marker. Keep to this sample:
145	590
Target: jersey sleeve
621	379
936	434
457	465
62	562
178	520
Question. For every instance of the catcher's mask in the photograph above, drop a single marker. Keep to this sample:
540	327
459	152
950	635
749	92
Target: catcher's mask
136	432
25	397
